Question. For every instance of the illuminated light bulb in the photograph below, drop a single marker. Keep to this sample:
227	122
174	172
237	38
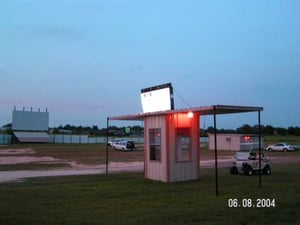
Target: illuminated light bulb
190	114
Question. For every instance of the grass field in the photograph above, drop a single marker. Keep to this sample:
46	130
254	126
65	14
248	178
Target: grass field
294	140
130	199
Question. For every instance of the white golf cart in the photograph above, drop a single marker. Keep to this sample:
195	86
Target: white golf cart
248	163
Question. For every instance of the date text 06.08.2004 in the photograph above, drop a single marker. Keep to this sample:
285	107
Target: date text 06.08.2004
251	203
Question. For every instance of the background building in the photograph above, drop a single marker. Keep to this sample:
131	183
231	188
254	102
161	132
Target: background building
235	142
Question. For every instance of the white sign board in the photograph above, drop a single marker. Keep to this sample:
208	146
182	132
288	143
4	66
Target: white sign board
158	98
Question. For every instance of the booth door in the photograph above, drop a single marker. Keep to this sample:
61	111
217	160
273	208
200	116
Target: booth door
183	144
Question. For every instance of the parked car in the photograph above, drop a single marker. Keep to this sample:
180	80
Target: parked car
280	147
113	141
123	145
248	163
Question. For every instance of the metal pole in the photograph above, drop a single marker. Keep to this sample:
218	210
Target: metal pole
106	162
216	152
259	146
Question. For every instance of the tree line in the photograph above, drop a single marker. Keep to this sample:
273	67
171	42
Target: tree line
139	130
265	130
95	131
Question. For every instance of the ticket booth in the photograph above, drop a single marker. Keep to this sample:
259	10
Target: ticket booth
171	140
172	147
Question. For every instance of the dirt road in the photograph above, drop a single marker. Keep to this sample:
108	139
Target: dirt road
82	169
8	176
28	155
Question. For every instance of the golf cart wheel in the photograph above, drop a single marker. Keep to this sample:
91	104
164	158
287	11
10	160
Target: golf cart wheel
267	170
234	170
248	171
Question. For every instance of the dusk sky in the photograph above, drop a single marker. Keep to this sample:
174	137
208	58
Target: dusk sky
85	60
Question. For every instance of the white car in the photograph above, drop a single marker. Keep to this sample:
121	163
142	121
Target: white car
280	147
113	141
123	145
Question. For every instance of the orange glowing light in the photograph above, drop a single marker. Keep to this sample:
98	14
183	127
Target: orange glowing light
247	138
190	114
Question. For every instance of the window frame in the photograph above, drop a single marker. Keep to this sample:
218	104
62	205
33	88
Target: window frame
155	147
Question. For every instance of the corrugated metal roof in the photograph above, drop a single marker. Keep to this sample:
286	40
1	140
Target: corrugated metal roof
32	136
205	110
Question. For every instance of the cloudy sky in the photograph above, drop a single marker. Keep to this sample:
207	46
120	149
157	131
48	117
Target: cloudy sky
85	60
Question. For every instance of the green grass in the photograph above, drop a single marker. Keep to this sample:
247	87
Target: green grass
130	199
293	140
34	166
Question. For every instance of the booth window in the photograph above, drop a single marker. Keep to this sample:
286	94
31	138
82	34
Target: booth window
154	144
183	145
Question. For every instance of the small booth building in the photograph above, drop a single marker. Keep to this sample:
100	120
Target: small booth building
234	142
171	142
172	147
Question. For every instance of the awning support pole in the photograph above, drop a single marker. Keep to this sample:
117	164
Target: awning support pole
107	133
259	146
216	152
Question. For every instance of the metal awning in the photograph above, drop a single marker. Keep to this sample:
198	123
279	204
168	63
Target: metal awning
205	110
